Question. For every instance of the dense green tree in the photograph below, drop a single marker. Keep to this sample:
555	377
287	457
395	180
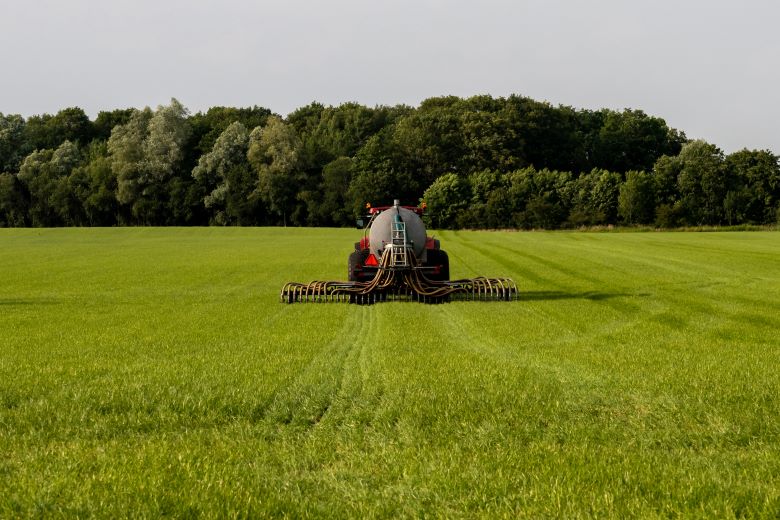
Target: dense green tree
703	182
208	126
755	190
377	179
428	143
39	179
327	133
735	205
184	206
12	145
164	145
632	140
13	201
94	186
481	185
165	151
306	119
580	195
517	161
72	124
592	197
490	134
665	174
605	195
636	201
449	134
47	131
550	137
37	133
126	149
64	200
107	120
334	208
127	160
669	215
539	199
445	199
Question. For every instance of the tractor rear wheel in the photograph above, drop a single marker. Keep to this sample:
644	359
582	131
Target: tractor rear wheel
437	257
353	265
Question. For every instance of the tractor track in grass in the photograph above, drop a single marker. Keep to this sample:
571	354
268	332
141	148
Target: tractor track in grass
305	398
353	401
329	389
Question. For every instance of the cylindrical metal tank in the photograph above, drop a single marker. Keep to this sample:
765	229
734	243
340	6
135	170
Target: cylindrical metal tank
381	229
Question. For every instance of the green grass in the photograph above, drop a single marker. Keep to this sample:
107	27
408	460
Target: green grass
148	372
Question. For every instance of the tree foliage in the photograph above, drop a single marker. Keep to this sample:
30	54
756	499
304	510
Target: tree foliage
274	152
227	179
147	153
478	162
445	198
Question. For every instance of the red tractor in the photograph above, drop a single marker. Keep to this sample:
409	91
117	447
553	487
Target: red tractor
364	262
396	259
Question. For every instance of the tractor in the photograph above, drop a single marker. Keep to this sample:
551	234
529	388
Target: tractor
396	259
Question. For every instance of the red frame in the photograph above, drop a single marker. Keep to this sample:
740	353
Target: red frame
379	209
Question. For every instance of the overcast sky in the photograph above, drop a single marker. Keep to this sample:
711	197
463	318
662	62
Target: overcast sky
710	68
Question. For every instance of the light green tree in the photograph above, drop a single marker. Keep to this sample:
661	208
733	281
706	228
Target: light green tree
164	146
11	142
45	174
219	171
126	149
274	154
145	153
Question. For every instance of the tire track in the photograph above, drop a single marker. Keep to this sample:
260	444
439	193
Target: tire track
353	398
305	399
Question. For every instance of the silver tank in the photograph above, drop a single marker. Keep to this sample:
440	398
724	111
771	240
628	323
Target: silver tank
380	233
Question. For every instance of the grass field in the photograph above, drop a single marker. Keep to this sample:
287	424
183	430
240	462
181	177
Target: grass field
151	372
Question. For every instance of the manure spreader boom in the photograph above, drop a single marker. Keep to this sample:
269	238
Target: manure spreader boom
396	259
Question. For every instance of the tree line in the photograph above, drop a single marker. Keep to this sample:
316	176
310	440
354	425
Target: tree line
479	162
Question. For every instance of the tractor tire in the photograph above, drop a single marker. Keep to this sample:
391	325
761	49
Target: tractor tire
439	257
355	260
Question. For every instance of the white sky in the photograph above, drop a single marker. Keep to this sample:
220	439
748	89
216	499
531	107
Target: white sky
710	68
